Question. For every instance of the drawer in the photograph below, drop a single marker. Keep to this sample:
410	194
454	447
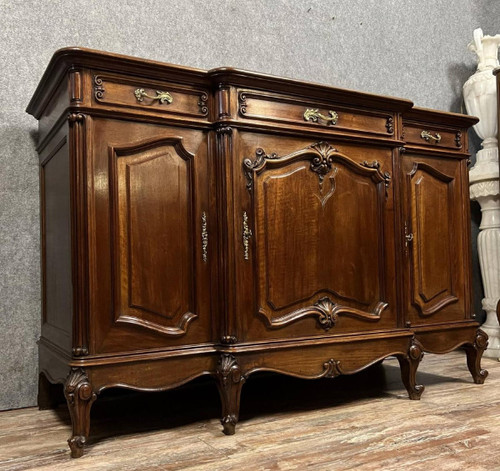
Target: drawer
290	110
150	96
432	136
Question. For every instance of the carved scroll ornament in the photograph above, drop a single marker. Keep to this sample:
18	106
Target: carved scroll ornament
327	312
322	156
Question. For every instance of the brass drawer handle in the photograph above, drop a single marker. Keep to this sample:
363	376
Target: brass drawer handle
204	237
162	97
313	115
428	137
247	233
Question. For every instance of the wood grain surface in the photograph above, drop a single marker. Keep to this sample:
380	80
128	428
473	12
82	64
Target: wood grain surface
285	424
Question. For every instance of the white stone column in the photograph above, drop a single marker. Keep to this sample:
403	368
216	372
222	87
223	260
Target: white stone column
485	190
480	96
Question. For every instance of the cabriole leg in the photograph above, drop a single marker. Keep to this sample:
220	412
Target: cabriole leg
409	364
229	382
79	396
474	354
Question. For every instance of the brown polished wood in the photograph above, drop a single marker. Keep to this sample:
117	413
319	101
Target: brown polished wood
226	222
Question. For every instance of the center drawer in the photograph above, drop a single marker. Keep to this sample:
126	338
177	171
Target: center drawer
261	106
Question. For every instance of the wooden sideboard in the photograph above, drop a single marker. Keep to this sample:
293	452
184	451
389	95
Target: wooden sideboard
227	222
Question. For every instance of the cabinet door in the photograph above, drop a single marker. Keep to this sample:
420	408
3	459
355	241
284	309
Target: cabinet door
318	237
436	229
151	216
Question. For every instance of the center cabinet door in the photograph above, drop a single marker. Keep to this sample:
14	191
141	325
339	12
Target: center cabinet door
150	223
317	245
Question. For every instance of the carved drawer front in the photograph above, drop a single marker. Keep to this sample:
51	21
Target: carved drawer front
430	136
289	110
150	96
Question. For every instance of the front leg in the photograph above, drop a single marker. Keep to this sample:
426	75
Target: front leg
229	382
79	396
474	353
409	364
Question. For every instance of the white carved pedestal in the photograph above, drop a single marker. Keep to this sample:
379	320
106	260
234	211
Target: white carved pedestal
480	96
485	190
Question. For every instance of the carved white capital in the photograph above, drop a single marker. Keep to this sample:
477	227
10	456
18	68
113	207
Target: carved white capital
486	166
484	189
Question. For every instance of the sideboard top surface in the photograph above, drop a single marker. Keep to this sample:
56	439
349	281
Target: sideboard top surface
76	57
428	115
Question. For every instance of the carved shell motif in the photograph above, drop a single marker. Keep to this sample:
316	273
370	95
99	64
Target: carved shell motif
328	317
322	163
228	367
77	382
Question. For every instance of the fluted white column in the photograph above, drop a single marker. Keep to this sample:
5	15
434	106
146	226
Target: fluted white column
488	244
480	95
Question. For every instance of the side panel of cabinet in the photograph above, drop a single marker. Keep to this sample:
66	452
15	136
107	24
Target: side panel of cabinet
436	234
55	211
150	220
314	245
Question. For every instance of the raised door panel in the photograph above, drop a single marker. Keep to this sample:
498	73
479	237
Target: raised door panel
435	234
318	244
152	217
154	246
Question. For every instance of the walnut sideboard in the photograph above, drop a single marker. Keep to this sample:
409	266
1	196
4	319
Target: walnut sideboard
227	222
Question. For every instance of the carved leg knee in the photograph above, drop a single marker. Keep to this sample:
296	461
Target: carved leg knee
79	396
229	382
409	364
474	354
49	395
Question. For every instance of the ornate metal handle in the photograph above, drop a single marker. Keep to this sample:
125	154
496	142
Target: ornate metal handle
204	237
162	97
247	233
427	136
313	115
408	236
